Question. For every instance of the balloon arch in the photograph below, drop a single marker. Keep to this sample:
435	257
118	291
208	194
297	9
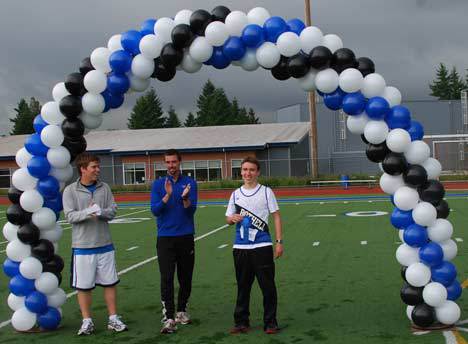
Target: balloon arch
285	48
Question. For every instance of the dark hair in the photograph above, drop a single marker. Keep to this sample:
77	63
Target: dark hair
83	160
173	152
252	160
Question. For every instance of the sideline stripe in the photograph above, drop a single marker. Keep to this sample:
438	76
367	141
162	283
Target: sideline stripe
458	337
450	337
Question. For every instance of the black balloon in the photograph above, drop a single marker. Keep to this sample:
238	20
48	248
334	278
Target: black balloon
170	56
403	272
298	66
29	234
433	192
199	20
415	176
365	66
86	66
17	215
363	138
43	250
75	145
423	315
161	72
377	153
320	57
342	59
70	106
54	265
220	13
443	210
411	295
73	129
74	84
182	36
280	71
394	164
14	195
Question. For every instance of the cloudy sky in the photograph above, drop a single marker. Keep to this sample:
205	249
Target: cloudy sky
43	41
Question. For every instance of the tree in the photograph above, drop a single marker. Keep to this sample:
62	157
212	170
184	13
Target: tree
456	84
447	86
190	121
23	121
147	112
252	118
172	120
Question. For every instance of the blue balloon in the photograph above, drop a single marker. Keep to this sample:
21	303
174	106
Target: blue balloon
377	108
253	36
274	27
234	49
218	59
401	219
50	319
320	93
295	25
36	302
120	61
34	145
431	254
415	235
130	41
48	187
147	27
39	124
454	291
444	273
10	267
21	286
39	167
117	83
113	101
354	103
54	203
334	100
399	117
416	131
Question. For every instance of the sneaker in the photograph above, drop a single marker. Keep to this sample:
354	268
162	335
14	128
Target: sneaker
272	329
116	324
169	327
183	318
87	328
239	329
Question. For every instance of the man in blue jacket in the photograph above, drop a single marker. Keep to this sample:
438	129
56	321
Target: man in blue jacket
174	202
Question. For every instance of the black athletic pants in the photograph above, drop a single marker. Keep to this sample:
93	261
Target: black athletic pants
249	264
175	253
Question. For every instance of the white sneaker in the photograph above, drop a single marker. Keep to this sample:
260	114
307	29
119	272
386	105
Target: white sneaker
116	324
87	328
169	326
182	318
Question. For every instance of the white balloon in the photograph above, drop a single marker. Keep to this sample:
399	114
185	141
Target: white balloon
183	17
390	184
249	61
22	180
332	42
57	298
398	140
373	85
62	174
307	82
46	283
418	152
189	65
310	38
434	294
357	124
22	157
44	218
406	198
268	55
31	200
31	268
56	247
91	122
23	320
433	168
200	49
216	33
392	95
163	28
142	67
100	59
151	46
235	22
115	43
376	131
138	84
258	15
448	313
52	136
441	230
450	249
95	81
50	112
418	274
400	234
424	214
350	80
10	231
289	44
327	80
18	251
409	310
94	104
53	235
62	186
59	91
58	157
15	302
407	255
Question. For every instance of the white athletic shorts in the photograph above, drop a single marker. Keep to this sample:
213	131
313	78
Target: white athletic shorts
89	270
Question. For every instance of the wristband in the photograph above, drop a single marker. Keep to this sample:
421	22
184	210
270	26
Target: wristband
279	241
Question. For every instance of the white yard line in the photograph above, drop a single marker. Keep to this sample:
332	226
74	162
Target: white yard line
364	242
449	337
459	239
132	248
222	246
322	215
316	243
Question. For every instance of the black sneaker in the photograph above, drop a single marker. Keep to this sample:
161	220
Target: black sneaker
240	329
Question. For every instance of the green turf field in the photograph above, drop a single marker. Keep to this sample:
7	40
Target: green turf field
337	282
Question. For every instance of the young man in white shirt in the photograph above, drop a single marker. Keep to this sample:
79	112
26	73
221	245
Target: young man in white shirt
249	208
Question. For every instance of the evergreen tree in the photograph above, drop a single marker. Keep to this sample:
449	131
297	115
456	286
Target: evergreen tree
23	121
172	120
147	112
440	87
456	84
252	118
34	107
213	106
190	121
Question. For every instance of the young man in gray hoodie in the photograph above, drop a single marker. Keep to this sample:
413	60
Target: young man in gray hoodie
88	205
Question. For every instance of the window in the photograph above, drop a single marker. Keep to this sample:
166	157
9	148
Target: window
159	170
4	178
214	172
236	169
134	173
188	168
